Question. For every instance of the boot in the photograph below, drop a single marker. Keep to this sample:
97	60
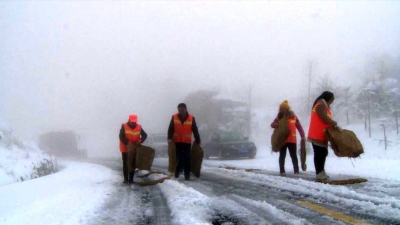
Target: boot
130	181
323	172
322	176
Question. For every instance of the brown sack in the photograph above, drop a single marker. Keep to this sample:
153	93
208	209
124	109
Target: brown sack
171	157
280	134
131	157
344	142
196	158
144	157
303	155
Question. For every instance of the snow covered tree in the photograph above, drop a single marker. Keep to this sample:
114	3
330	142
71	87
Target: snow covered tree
346	102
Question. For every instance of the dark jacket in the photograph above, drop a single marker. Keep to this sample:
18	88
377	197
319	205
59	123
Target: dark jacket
194	128
122	138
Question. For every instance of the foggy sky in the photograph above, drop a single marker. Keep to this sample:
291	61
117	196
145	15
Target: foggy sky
85	66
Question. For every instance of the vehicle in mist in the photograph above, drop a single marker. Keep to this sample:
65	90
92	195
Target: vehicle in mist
159	143
229	145
62	144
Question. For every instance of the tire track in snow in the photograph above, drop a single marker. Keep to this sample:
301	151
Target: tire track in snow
133	204
124	206
250	194
333	197
207	190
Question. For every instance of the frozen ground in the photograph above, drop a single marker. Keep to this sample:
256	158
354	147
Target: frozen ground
92	193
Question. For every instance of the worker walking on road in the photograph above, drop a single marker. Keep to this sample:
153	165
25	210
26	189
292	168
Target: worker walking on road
321	119
130	133
180	131
293	123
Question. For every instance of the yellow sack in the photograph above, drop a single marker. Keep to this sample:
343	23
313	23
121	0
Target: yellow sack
344	142
171	157
196	159
280	134
144	157
131	157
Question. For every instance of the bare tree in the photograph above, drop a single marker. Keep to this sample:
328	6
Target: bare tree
346	95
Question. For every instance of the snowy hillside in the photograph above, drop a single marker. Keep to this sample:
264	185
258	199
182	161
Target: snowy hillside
20	161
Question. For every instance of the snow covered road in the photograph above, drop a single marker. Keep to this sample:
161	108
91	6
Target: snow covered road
226	196
86	193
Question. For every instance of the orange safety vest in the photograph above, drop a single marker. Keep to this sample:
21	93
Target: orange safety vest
292	128
317	126
132	135
183	132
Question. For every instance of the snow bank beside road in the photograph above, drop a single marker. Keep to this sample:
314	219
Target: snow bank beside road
20	161
71	196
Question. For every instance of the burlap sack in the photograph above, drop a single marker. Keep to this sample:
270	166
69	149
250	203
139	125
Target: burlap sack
131	157
171	157
303	155
144	157
196	158
344	142
280	134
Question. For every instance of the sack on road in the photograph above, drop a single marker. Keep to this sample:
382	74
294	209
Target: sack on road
171	157
196	158
280	134
344	142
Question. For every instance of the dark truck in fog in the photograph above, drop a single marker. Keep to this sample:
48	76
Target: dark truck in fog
159	143
229	145
62	144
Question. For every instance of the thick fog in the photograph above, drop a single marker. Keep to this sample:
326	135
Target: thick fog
85	66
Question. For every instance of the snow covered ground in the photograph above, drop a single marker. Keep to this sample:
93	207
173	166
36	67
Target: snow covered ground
376	162
71	196
86	193
21	160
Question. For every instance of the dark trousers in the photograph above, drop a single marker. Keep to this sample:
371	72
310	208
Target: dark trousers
320	154
282	156
183	159
125	167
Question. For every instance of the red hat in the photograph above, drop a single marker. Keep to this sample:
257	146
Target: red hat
133	118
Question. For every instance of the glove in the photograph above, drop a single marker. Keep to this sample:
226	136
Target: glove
340	129
170	141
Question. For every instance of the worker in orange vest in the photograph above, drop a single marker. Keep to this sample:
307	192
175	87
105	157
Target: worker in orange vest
321	119
180	131
294	123
130	133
